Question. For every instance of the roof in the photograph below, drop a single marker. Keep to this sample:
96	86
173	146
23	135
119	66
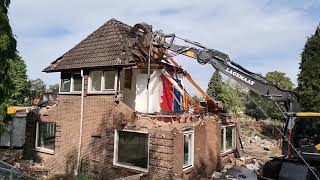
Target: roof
107	46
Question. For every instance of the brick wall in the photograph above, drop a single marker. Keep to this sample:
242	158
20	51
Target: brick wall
103	114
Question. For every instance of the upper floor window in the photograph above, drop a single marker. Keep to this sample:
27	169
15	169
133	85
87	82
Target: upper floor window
71	82
228	138
102	81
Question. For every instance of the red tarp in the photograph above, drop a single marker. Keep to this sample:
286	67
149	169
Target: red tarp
167	96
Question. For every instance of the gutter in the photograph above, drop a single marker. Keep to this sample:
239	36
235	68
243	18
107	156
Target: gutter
76	171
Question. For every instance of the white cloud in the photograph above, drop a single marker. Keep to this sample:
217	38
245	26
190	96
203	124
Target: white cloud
253	33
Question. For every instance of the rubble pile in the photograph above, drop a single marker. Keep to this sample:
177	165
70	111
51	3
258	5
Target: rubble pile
26	167
260	142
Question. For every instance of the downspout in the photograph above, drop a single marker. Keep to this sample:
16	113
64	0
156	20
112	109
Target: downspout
81	127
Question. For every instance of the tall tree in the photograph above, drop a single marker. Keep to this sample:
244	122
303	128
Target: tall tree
215	85
7	49
231	98
309	77
280	79
224	92
256	104
7	52
19	79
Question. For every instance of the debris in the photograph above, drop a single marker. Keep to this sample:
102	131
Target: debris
27	167
216	175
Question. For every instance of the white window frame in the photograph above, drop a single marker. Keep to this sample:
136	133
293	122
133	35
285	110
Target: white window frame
41	149
103	90
191	152
224	150
71	85
115	151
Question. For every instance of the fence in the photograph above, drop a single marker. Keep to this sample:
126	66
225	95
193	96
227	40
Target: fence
8	172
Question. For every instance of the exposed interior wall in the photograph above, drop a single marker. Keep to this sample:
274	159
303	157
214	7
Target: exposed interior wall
137	97
148	102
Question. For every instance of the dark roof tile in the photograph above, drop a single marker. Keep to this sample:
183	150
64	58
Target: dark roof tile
101	48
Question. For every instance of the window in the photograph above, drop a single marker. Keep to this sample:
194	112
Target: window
109	80
128	78
188	139
102	81
131	150
45	136
228	138
71	82
95	78
76	82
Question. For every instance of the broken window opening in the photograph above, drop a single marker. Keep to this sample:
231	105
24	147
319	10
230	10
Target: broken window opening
70	82
136	143
228	138
103	81
45	136
188	150
128	78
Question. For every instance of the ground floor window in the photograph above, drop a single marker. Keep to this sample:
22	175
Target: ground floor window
131	149
228	138
188	154
45	136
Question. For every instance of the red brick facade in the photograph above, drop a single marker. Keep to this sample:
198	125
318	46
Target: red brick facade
102	115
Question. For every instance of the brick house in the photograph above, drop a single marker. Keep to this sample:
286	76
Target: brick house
110	121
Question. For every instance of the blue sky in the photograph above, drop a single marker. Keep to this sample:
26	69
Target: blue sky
261	35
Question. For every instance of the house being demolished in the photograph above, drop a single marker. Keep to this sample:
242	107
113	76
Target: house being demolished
122	110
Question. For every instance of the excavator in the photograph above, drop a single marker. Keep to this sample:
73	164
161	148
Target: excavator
300	158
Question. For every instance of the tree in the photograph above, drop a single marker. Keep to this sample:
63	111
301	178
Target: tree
256	104
231	98
309	76
19	79
215	85
7	52
224	92
37	88
280	79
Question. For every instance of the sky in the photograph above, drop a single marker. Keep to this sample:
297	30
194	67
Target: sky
262	35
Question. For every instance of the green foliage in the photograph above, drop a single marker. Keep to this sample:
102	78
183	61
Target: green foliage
231	98
215	85
7	52
19	79
224	92
256	104
309	77
280	79
83	177
37	88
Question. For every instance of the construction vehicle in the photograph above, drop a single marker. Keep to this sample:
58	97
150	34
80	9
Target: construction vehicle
301	133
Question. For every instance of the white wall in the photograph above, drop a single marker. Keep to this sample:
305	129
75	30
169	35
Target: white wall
142	102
